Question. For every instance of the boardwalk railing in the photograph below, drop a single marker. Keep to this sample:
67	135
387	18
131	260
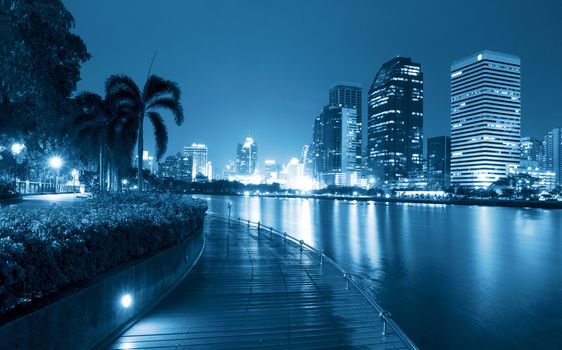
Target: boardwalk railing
388	323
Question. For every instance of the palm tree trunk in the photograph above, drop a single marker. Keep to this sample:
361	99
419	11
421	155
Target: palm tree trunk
101	168
140	151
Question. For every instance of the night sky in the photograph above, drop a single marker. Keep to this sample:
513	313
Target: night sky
265	67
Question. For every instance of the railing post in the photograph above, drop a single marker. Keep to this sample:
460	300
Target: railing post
347	276
383	315
301	242
285	236
270	232
259	224
321	256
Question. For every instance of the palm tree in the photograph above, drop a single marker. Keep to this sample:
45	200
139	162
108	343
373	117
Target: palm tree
156	94
92	126
104	126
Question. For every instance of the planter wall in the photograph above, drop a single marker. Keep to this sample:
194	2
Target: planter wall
89	316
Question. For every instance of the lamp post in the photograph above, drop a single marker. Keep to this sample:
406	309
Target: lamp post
56	163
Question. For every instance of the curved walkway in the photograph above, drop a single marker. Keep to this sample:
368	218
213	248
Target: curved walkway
253	290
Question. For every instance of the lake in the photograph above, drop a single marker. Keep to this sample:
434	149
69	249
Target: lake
453	277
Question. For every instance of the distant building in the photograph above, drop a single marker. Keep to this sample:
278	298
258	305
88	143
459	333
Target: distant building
439	162
553	153
170	168
271	171
532	153
337	153
485	118
147	161
395	123
350	95
307	160
196	155
247	157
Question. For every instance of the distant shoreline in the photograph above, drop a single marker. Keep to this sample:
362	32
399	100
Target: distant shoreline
454	201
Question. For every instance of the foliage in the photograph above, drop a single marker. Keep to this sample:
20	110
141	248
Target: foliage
44	250
39	69
157	94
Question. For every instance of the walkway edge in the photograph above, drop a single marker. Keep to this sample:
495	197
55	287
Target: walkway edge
104	344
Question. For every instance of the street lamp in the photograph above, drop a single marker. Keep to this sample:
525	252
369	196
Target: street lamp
56	163
17	148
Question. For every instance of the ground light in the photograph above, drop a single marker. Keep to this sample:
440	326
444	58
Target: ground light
126	300
17	148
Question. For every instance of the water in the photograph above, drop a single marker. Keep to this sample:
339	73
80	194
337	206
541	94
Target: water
453	277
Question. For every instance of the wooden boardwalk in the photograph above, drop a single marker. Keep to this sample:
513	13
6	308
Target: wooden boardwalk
259	291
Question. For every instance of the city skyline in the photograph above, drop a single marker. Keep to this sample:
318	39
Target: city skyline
280	114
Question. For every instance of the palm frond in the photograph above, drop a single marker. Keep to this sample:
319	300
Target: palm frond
156	87
116	83
160	133
171	104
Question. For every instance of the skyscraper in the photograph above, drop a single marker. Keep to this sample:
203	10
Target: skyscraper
439	162
337	154
532	150
350	95
197	154
485	118
246	157
553	153
395	123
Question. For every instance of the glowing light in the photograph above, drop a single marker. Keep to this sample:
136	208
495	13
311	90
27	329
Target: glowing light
247	193
126	300
479	57
17	148
55	162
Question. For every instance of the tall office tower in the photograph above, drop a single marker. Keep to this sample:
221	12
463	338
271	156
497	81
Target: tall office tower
439	162
307	160
197	153
246	157
317	149
485	118
553	153
350	95
531	152
338	150
395	123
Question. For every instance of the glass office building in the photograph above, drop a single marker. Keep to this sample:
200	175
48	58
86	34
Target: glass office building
395	123
485	118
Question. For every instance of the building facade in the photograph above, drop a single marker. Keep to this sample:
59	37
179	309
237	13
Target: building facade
395	123
197	154
246	157
485	118
439	162
553	154
532	153
350	95
336	159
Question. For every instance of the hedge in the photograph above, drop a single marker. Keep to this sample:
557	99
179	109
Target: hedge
44	250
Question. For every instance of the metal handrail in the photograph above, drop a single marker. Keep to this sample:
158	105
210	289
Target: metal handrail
384	315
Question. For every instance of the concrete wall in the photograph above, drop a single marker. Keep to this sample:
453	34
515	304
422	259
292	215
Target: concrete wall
87	317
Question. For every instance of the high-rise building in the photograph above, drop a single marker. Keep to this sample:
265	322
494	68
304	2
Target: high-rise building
350	95
553	153
170	167
439	162
197	153
317	148
395	123
247	157
485	118
532	150
337	154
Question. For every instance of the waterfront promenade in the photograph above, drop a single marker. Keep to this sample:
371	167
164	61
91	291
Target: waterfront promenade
259	290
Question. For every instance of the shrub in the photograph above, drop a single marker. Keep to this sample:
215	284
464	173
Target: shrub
44	250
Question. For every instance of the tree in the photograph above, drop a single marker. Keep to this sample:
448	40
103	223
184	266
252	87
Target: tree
39	69
157	94
109	128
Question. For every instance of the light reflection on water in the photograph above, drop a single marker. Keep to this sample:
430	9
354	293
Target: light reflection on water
454	277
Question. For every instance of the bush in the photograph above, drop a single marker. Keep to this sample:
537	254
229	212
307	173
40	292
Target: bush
44	250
